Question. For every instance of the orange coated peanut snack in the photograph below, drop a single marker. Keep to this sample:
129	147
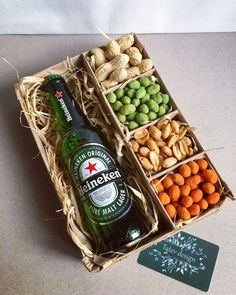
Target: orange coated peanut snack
189	191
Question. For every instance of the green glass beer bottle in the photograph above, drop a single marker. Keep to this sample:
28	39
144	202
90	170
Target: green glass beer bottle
105	201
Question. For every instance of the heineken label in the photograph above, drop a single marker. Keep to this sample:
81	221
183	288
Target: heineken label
100	184
64	108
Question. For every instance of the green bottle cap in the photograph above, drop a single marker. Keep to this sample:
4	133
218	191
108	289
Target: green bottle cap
49	78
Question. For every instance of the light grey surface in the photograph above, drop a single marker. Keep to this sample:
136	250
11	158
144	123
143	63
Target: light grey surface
36	254
116	16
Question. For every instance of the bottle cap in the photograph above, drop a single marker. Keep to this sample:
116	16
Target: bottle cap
51	77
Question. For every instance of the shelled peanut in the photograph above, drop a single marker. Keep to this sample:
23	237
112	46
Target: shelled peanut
189	191
118	62
139	103
162	145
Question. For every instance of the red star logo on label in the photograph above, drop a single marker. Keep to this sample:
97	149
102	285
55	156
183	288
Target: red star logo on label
58	94
91	167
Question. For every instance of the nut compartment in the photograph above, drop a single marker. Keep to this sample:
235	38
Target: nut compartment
220	187
160	146
133	70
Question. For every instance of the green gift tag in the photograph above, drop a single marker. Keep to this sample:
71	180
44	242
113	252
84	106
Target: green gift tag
183	257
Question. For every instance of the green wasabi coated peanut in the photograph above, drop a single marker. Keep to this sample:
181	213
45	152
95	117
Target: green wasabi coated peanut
117	105
131	93
142	118
143	108
166	106
165	98
134	84
144	81
126	89
131	117
152	116
122	118
157	97
153	106
111	97
145	98
126	100
161	111
141	92
159	87
127	109
119	93
133	125
153	89
135	102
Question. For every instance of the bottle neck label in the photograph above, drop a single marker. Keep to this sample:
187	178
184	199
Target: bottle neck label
64	108
65	112
100	184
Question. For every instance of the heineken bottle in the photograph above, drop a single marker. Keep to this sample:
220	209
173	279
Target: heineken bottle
105	201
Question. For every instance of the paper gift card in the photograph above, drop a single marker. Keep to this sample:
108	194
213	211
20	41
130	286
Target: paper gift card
183	257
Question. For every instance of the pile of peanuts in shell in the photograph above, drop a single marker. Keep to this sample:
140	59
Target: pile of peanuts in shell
189	191
119	61
162	145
